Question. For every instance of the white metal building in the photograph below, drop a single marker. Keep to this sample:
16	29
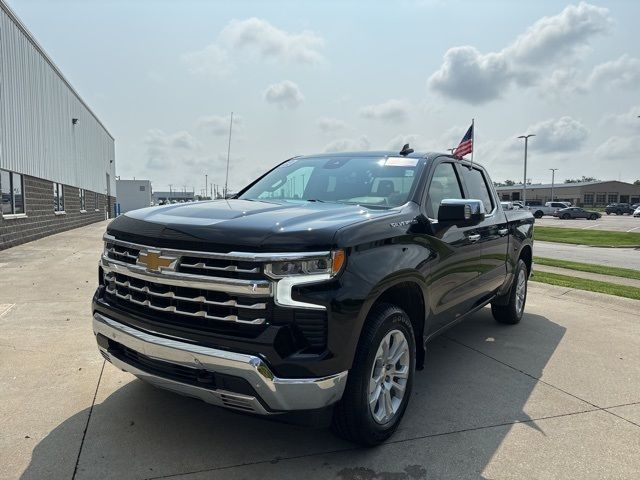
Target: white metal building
57	159
133	194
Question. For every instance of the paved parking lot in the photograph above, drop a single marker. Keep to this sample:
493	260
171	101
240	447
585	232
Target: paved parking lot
616	223
557	396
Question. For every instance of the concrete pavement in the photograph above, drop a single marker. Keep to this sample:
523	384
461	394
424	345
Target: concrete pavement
627	282
614	257
557	396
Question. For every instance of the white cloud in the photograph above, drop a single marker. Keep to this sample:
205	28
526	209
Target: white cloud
162	149
619	148
285	94
473	77
390	111
218	125
349	144
330	125
628	120
564	134
415	141
259	36
623	72
212	60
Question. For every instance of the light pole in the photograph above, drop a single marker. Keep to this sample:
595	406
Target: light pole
524	184
206	184
553	178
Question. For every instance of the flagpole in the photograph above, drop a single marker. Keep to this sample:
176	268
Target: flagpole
473	138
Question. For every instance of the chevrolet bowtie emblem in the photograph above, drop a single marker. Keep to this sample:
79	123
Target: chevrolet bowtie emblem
154	261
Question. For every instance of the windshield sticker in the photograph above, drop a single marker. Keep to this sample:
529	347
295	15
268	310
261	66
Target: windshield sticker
408	173
401	162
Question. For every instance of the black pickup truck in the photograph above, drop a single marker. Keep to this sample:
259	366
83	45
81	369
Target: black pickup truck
314	289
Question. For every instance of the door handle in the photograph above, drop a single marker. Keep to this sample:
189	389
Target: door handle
474	238
503	231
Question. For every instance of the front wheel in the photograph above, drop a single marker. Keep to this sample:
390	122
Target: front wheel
512	312
380	381
538	214
593	217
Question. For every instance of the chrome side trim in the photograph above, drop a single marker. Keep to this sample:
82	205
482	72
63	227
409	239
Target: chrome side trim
249	288
280	394
241	256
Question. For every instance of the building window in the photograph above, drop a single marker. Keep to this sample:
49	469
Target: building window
95	200
624	198
612	198
58	197
588	198
11	193
81	195
601	198
142	188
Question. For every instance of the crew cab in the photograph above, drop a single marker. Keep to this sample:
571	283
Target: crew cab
619	209
316	288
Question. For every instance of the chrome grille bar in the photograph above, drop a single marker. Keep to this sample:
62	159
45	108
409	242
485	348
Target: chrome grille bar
199	299
228	268
176	310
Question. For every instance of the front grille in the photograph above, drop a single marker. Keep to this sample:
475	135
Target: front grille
122	253
197	304
221	268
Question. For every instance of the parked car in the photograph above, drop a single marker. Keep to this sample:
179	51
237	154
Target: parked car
618	209
576	212
319	297
636	212
548	209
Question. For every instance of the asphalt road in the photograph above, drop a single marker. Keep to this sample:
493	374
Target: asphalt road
615	223
557	396
615	257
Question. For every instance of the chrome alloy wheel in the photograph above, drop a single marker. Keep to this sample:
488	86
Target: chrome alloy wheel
389	375
521	291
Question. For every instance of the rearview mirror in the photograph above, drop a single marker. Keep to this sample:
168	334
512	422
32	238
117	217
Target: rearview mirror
461	212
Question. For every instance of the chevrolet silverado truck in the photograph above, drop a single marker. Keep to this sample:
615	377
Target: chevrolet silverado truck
316	288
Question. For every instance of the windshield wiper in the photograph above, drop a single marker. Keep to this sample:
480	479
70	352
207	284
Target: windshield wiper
315	200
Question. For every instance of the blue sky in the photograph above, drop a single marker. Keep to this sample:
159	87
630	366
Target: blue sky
308	77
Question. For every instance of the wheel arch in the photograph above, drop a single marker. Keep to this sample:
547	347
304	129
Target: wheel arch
409	295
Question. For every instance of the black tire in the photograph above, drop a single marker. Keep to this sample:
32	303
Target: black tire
608	213
538	214
509	313
565	216
593	217
352	417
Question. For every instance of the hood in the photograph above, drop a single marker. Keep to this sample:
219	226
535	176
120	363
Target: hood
251	225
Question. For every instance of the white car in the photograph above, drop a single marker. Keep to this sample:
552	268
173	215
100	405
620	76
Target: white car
636	212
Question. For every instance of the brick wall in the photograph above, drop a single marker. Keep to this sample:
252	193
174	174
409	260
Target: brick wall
41	220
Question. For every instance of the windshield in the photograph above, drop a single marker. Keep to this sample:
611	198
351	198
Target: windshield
370	181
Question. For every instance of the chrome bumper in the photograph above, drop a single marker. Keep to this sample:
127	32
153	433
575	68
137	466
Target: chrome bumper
277	395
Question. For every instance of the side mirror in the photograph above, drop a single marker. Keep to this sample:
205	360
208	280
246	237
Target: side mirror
461	212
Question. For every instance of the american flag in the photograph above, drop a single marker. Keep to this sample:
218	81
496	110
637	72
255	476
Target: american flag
466	144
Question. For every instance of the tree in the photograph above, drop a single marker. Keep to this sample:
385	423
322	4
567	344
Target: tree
583	179
506	183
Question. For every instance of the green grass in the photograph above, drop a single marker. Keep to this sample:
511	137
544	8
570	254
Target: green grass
589	285
594	238
589	267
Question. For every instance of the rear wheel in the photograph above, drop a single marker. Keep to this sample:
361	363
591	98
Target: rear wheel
380	381
512	312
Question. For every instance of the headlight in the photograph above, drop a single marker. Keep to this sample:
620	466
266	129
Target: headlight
330	265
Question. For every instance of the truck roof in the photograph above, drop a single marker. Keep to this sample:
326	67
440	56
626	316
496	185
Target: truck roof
382	153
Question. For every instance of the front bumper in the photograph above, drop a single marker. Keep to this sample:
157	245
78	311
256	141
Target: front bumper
272	394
